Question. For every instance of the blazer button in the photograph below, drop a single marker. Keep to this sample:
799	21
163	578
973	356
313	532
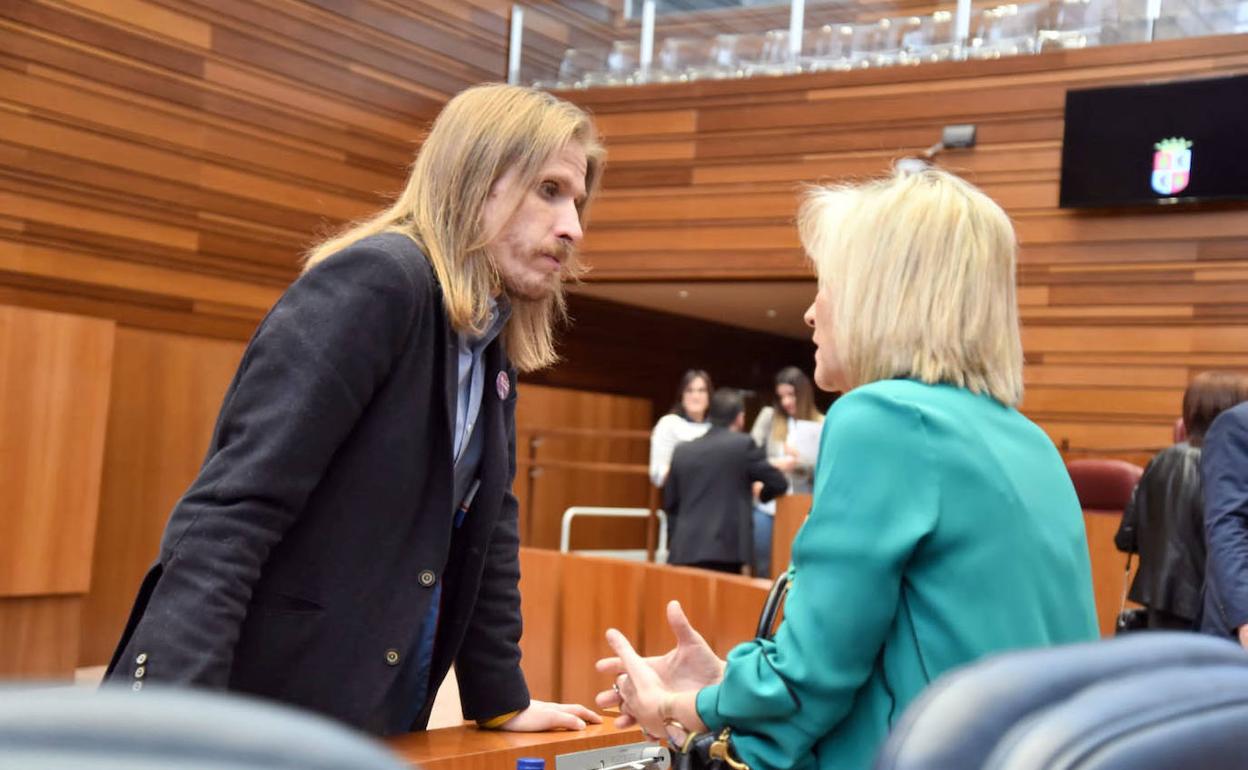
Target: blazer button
426	578
141	659
392	657
137	686
139	672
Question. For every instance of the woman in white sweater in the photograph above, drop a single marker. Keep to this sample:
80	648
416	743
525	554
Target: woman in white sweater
685	422
795	400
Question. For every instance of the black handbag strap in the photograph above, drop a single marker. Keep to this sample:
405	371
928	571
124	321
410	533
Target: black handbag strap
1126	582
771	607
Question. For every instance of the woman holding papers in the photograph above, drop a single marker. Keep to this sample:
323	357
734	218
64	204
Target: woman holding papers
944	526
789	431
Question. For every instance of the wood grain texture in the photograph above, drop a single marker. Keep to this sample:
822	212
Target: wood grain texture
40	636
177	158
54	395
615	348
553	490
738	603
693	588
167	389
1107	566
791	511
541	607
597	594
469	748
1120	308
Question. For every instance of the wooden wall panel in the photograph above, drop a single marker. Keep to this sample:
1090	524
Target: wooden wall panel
1120	307
791	512
197	147
544	499
541	607
616	348
738	603
39	636
54	394
597	594
693	588
167	389
1107	566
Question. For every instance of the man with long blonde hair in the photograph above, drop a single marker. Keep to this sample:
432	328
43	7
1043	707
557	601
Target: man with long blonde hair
352	532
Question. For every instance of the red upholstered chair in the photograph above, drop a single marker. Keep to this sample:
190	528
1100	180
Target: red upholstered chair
1104	488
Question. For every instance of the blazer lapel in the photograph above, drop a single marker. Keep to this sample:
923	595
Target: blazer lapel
495	392
450	361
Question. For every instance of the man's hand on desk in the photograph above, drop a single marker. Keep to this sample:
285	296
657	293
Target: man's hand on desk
541	716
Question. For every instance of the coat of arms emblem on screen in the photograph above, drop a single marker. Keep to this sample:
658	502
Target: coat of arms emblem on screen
1172	165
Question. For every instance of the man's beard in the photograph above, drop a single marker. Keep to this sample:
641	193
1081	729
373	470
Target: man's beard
549	289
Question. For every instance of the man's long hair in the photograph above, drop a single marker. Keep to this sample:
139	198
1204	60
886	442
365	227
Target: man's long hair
482	133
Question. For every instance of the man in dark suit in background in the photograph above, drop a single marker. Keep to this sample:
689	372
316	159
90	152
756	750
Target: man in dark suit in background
1224	474
709	490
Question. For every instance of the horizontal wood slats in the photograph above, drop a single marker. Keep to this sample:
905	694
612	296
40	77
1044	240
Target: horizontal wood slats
166	163
1120	308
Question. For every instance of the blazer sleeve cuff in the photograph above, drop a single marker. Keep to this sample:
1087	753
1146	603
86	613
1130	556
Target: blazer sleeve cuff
487	698
707	704
498	721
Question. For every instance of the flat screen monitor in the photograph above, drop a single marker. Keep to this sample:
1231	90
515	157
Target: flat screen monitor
1156	144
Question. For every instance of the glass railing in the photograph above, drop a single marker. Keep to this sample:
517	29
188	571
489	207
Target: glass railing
649	41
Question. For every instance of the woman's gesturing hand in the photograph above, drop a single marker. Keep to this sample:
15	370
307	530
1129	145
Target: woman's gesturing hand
689	666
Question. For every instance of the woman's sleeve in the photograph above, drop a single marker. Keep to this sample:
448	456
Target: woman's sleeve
782	695
762	426
662	444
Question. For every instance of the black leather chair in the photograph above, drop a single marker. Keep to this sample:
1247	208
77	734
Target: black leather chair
1138	702
76	728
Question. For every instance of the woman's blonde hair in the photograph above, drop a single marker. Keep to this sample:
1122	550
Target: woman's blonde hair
920	271
482	133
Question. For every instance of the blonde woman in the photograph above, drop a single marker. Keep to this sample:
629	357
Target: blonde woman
352	531
944	526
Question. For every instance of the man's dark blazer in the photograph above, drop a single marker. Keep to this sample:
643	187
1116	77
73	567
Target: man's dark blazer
708	499
301	562
1224	473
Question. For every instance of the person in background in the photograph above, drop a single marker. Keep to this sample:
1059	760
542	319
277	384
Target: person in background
709	490
795	400
1224	474
1164	522
944	525
353	532
685	422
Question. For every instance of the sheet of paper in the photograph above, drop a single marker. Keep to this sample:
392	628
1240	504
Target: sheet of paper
804	437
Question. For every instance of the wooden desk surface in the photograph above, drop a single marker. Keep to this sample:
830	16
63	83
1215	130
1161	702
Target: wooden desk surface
470	748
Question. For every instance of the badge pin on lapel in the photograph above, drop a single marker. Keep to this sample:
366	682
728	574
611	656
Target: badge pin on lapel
504	386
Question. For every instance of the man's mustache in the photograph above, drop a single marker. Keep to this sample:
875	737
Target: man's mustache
561	250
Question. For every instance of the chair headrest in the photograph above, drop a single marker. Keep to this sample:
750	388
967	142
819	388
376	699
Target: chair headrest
1104	484
50	728
960	718
1182	716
